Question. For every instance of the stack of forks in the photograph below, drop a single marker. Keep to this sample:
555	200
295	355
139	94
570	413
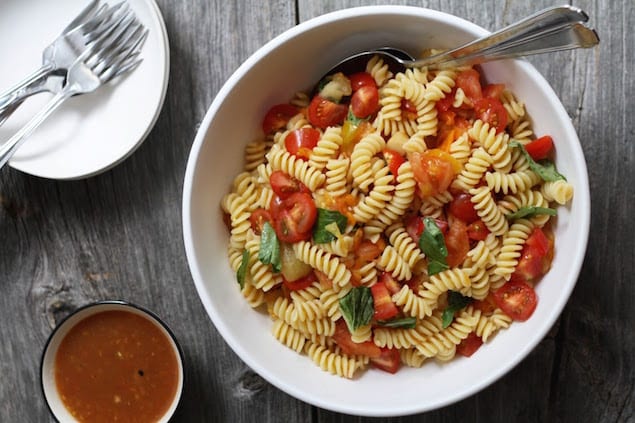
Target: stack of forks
101	43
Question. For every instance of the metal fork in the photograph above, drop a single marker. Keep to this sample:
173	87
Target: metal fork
113	51
57	57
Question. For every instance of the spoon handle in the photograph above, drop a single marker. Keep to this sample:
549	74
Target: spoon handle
553	29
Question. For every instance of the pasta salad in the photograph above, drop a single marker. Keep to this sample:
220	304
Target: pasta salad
389	219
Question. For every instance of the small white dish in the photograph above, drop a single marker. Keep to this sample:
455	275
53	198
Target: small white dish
91	133
47	365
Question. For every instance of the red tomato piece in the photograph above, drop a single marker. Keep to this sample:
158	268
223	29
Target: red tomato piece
539	240
477	231
487	306
384	307
535	259
434	170
408	109
389	282
367	251
445	104
540	148
457	243
365	101
517	299
323	113
490	110
443	225
284	185
294	218
342	337
462	207
469	345
277	117
530	265
362	79
302	283
258	218
389	360
414	227
300	142
493	90
394	161
470	82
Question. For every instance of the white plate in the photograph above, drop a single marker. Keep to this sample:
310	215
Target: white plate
93	132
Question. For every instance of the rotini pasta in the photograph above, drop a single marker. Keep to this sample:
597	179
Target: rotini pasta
394	227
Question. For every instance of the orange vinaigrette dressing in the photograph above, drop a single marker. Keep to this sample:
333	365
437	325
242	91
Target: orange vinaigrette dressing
116	366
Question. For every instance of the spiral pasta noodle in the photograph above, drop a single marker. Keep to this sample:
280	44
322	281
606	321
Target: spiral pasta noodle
392	234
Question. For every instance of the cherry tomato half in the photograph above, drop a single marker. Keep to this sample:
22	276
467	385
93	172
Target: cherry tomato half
477	230
462	207
362	79
535	258
490	110
469	345
294	218
300	142
517	299
470	82
365	101
434	170
540	148
277	117
284	185
258	219
324	113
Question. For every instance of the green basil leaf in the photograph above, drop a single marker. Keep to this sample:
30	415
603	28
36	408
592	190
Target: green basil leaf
531	211
357	307
456	302
269	252
242	269
403	322
432	243
545	169
435	267
321	234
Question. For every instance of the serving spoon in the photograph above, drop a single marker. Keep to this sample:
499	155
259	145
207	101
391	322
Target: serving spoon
552	29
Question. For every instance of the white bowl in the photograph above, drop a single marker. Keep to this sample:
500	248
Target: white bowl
47	366
293	62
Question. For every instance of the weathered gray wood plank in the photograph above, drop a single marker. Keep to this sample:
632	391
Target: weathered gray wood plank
118	235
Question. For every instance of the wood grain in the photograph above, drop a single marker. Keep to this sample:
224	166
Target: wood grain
118	235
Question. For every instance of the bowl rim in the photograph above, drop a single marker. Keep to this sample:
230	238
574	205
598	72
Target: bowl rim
355	12
147	314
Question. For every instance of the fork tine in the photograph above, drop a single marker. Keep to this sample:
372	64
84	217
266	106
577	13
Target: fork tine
113	30
101	22
116	42
127	43
125	60
86	14
105	22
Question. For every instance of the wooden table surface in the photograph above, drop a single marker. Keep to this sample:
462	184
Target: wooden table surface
118	235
